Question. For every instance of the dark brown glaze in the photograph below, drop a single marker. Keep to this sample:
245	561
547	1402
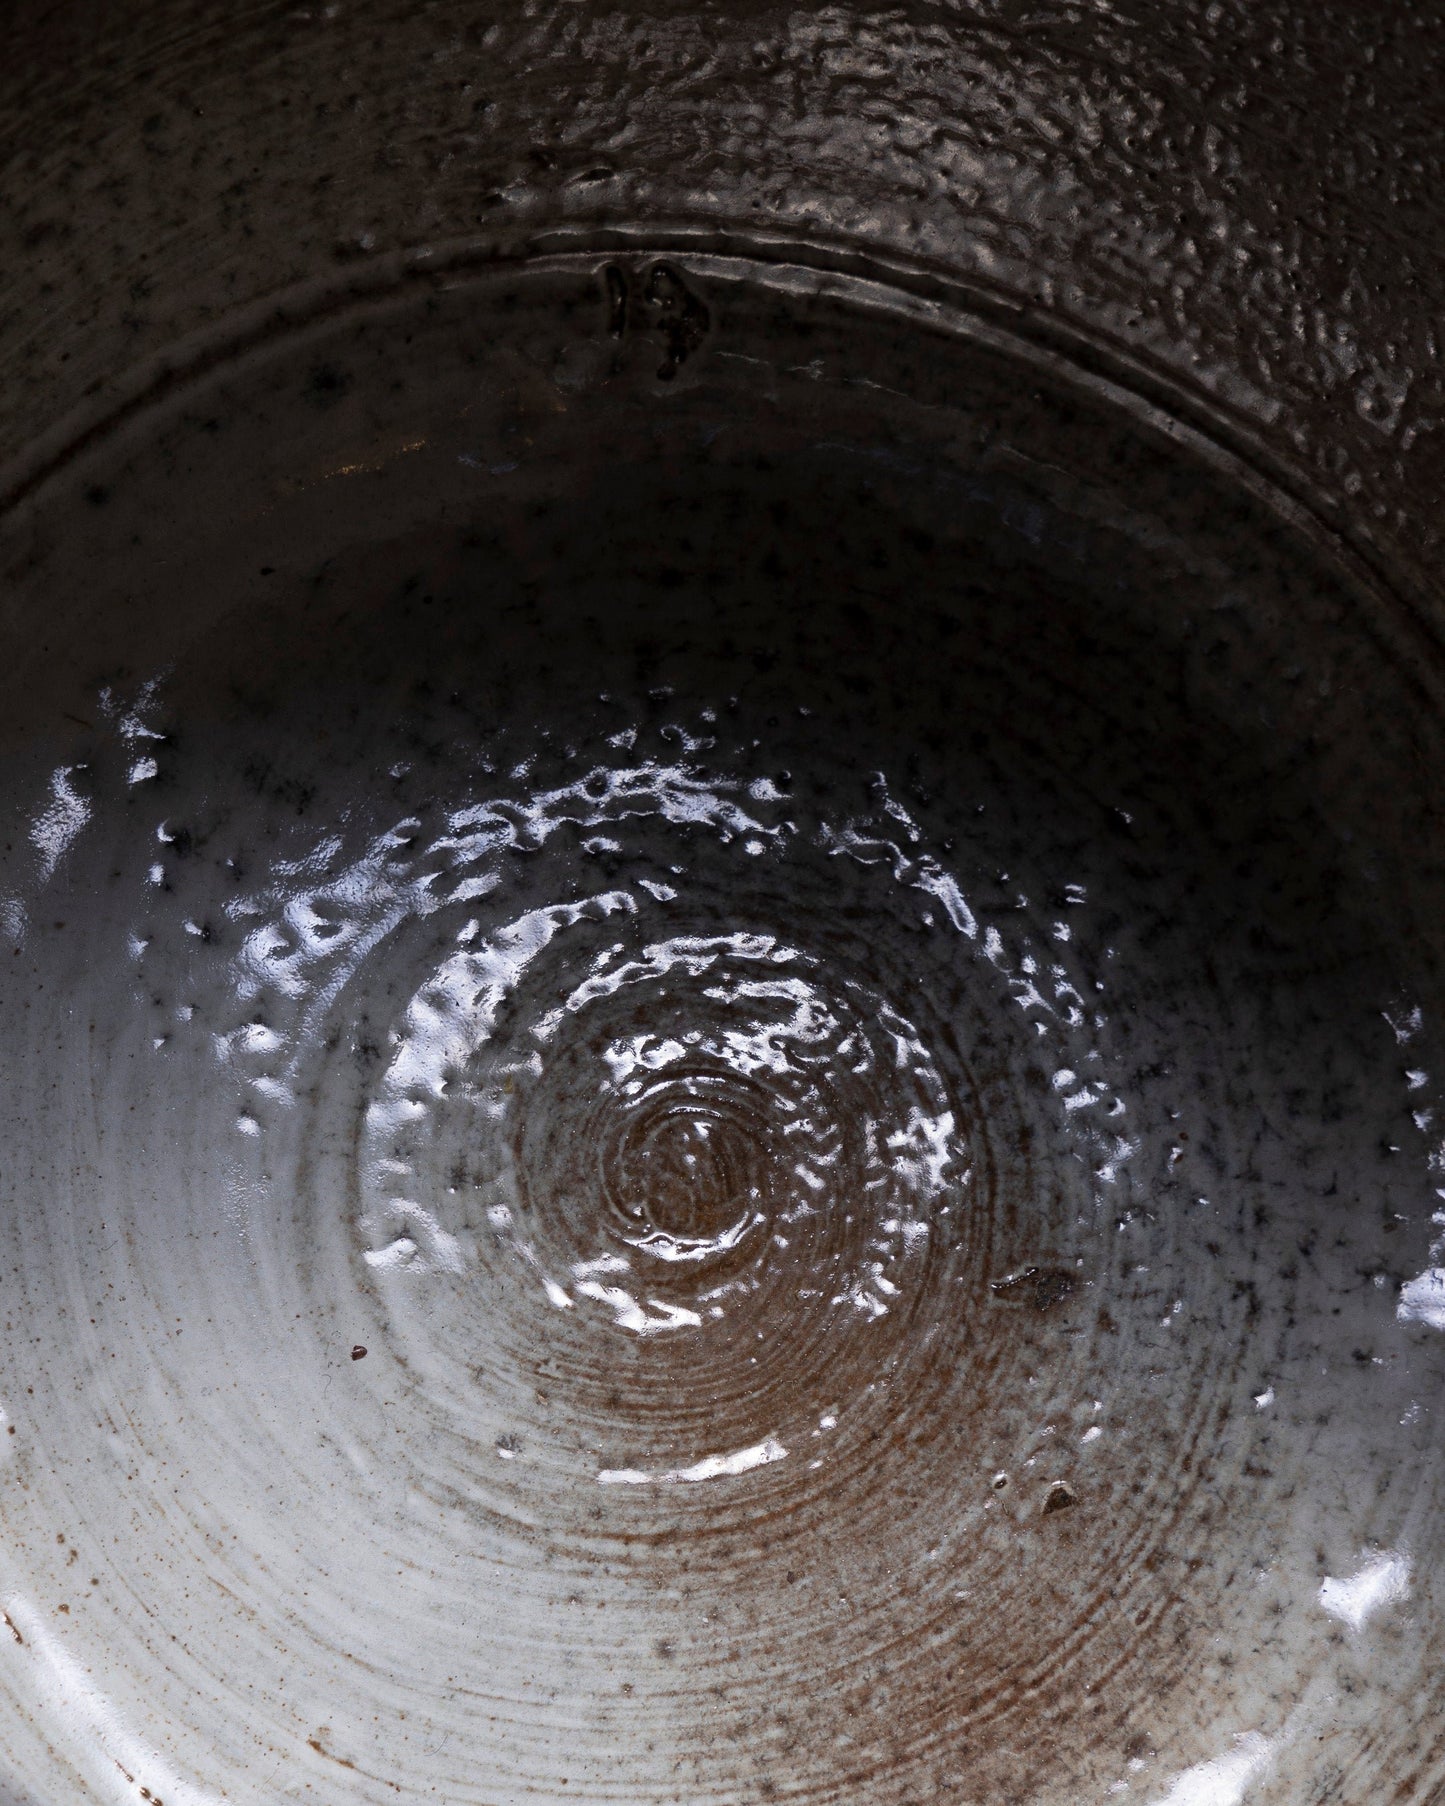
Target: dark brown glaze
1240	204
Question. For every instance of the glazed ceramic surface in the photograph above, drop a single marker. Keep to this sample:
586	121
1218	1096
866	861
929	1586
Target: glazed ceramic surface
721	1009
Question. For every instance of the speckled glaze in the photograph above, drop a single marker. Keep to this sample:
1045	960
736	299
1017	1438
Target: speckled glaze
723	902
1238	202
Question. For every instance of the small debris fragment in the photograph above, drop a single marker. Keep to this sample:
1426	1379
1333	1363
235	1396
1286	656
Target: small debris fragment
358	1353
1039	1288
1060	1497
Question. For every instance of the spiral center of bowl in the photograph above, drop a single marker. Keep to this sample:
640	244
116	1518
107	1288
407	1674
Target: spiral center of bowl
687	1172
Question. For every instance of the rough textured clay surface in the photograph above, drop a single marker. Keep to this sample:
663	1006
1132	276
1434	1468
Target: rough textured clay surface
721	987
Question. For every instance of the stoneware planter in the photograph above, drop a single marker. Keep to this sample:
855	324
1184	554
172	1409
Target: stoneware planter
722	900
